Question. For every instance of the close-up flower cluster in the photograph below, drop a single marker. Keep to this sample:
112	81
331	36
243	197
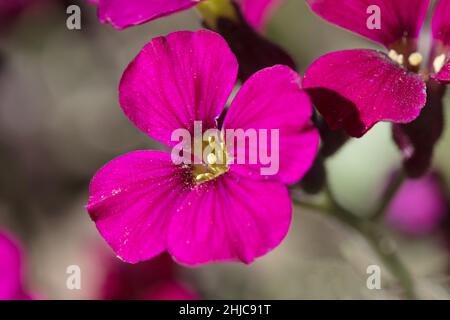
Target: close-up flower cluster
224	149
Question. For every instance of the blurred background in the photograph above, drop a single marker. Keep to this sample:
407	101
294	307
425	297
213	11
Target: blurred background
60	122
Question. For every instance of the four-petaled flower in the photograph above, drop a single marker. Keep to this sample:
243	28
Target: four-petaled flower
143	204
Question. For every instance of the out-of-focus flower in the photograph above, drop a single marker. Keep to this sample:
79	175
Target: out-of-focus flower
258	12
144	204
151	280
355	89
441	36
254	51
10	10
240	22
126	13
122	14
11	268
419	206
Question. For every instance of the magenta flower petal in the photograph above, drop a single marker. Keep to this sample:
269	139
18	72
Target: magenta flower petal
355	89
126	13
230	219
441	22
444	75
419	206
399	18
132	199
176	80
10	269
273	99
258	12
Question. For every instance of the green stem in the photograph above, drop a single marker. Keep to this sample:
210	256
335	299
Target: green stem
389	195
373	236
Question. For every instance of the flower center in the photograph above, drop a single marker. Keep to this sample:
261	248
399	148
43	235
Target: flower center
414	59
214	163
396	57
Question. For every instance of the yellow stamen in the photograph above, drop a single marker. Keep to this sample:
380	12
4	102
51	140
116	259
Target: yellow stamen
415	59
396	57
216	162
439	63
211	158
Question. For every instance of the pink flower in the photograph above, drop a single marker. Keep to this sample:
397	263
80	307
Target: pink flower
126	13
355	89
441	32
10	10
151	280
11	261
143	204
419	206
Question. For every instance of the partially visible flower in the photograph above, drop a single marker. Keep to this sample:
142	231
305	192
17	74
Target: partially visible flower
157	279
10	10
419	207
11	269
126	13
258	12
143	204
441	45
355	89
400	19
240	22
253	50
444	75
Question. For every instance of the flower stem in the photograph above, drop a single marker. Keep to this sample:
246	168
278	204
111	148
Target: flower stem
373	235
389	195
